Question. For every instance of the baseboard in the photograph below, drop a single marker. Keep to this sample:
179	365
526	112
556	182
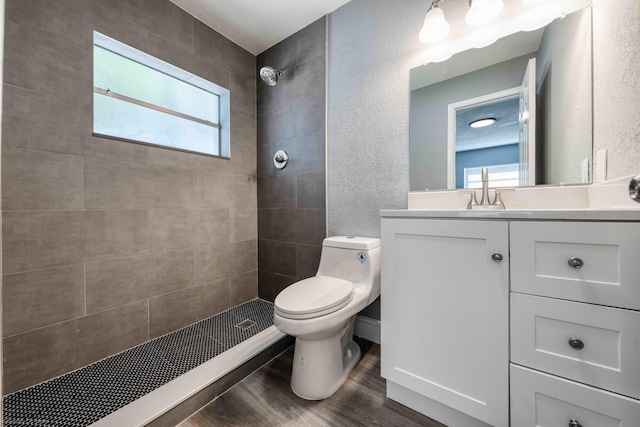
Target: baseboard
367	328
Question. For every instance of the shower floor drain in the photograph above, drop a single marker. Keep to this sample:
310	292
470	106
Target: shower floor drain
82	397
246	324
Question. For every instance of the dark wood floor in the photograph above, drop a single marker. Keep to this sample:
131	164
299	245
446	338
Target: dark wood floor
265	399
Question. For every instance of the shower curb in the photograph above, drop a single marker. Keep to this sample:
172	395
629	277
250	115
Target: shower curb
151	411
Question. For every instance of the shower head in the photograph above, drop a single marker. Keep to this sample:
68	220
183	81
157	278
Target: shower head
270	75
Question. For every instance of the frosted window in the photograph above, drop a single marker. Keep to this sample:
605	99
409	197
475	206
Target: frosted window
142	99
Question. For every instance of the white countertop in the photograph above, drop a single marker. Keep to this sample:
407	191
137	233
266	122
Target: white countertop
559	214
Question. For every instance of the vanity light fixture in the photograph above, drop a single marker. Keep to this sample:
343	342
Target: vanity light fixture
435	26
482	11
482	123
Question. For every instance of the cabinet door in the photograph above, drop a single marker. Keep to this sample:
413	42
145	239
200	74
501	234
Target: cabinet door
445	313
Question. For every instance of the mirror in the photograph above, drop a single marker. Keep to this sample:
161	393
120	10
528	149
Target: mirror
560	142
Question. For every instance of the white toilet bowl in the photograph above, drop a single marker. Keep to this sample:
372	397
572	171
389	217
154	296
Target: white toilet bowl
320	312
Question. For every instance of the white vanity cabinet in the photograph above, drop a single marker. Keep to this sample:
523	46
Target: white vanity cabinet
549	336
445	318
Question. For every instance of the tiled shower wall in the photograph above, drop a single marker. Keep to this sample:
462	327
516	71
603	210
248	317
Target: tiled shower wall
108	244
291	201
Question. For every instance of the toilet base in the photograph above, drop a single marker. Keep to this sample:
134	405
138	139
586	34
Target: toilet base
321	366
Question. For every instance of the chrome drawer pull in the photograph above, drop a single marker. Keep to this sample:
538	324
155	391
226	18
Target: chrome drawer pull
497	257
575	262
574	423
576	343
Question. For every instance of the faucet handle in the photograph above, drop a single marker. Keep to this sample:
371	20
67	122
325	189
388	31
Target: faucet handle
472	201
497	201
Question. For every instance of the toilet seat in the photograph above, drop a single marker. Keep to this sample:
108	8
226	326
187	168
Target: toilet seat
313	297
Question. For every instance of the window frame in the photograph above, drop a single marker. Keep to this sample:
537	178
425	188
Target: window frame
135	55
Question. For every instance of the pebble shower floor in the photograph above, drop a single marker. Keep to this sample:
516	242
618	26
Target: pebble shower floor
82	397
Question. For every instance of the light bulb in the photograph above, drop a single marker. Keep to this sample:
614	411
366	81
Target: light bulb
483	11
435	26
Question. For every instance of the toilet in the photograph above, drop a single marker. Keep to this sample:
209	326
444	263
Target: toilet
320	312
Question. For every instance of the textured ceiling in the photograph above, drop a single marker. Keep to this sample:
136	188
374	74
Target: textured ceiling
504	131
258	25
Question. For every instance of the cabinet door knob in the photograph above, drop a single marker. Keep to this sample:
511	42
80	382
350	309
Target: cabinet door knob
497	257
574	423
576	343
575	262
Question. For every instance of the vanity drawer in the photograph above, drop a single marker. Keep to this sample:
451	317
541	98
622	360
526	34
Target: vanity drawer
547	334
604	255
542	400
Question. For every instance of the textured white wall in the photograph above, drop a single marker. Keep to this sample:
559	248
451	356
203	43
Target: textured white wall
616	73
372	46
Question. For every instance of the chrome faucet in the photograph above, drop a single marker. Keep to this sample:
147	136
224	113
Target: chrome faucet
484	202
485	188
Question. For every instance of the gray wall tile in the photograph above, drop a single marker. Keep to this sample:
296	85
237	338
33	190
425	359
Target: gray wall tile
243	224
56	64
40	181
243	159
188	161
35	240
211	227
243	191
244	90
265	285
35	121
300	225
291	201
171	229
111	149
72	344
311	188
178	309
308	260
244	256
277	192
244	287
265	224
121	281
125	185
212	190
112	234
159	17
243	128
312	40
212	263
214	47
39	298
278	257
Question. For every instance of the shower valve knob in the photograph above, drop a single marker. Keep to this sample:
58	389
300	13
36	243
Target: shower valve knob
280	159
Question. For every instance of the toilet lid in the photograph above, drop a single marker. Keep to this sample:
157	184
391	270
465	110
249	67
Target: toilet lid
314	296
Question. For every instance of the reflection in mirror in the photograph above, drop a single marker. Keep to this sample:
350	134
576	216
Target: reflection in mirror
484	132
560	131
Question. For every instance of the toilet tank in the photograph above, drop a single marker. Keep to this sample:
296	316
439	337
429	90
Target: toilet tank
356	259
